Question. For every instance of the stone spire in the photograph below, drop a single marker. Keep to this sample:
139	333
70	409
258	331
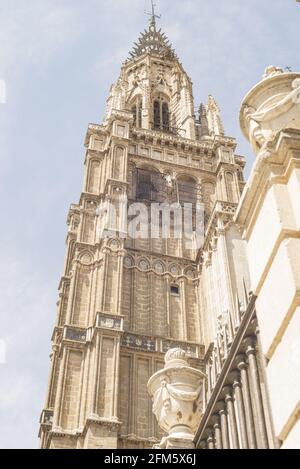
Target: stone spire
153	41
153	15
215	124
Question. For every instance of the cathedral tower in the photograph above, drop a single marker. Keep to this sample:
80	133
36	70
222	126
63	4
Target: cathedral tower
125	300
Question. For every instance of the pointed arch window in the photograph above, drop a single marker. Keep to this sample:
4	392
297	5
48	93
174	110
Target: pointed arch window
165	116
149	185
229	187
156	114
144	186
161	115
136	110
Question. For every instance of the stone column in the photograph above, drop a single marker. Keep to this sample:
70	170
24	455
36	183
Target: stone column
203	445
237	387
231	417
257	397
217	431
242	366
210	442
224	425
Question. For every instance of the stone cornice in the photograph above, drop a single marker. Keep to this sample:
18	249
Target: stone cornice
180	167
111	424
136	439
97	155
94	129
164	257
78	338
268	167
88	196
176	278
137	61
209	144
240	160
64	279
223	140
120	115
221	209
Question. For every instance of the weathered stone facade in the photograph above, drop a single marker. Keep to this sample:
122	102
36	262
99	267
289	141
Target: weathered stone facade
117	315
124	302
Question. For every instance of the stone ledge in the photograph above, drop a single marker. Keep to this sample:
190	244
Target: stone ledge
264	172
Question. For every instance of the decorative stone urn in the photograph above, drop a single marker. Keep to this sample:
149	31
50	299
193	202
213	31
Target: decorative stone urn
271	106
177	393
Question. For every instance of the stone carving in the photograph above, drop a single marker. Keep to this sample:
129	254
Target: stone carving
47	417
73	222
224	335
144	265
75	335
190	349
169	178
153	41
159	267
109	322
264	115
114	244
272	71
86	258
190	273
175	270
139	342
128	262
177	392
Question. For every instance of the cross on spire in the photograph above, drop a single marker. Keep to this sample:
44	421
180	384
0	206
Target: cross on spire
153	40
153	14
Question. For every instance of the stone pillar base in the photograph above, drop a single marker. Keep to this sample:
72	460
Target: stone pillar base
178	440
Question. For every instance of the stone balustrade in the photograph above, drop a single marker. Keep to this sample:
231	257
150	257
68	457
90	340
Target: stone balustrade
236	414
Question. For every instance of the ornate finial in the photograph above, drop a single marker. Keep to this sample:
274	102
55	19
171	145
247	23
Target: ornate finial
152	14
153	41
175	356
272	71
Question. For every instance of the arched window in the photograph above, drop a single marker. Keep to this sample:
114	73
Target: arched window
161	115
209	196
136	110
229	187
133	110
149	185
156	115
144	185
165	116
187	190
188	197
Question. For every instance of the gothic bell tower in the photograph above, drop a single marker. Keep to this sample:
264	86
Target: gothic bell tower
157	92
124	301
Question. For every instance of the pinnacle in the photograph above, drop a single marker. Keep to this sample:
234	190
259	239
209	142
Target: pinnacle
153	41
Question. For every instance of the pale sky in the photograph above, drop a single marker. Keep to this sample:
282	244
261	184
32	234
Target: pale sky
58	59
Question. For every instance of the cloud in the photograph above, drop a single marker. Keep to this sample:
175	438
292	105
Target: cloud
31	32
27	304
